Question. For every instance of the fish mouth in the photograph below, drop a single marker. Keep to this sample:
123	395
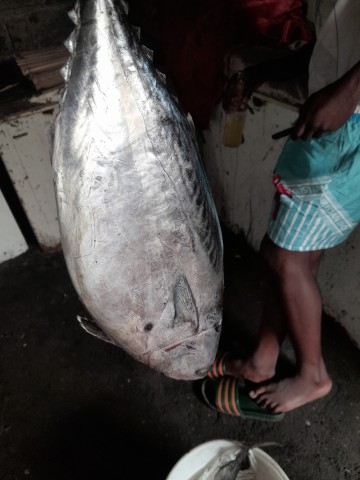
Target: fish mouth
189	359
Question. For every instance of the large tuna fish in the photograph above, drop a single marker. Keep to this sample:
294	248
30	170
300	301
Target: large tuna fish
139	230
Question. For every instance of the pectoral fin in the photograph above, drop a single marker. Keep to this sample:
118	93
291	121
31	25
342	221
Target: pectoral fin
91	327
184	304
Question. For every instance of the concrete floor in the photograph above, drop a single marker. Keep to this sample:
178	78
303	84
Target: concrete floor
72	407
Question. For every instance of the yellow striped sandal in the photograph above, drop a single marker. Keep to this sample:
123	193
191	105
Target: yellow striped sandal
217	369
229	395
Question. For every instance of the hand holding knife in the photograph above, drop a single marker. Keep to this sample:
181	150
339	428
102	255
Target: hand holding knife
283	133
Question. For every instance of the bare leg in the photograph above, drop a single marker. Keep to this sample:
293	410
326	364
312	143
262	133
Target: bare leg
261	365
295	273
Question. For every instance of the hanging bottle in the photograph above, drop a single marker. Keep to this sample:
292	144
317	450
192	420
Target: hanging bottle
235	111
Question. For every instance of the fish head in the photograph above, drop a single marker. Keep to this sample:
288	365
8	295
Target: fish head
189	359
189	334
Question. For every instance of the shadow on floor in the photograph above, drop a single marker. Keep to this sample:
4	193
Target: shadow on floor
72	407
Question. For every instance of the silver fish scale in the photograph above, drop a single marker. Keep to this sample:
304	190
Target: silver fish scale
172	134
140	233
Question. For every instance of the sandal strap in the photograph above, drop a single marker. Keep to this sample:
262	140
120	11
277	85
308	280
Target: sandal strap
226	398
217	369
229	395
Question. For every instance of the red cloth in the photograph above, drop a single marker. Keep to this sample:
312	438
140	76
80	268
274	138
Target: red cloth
196	35
272	22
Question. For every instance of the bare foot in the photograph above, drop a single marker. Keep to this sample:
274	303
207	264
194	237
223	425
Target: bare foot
292	393
250	370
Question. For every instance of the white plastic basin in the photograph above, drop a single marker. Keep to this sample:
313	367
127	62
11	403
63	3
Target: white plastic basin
195	461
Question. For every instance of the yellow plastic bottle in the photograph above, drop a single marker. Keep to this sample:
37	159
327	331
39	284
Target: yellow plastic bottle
235	112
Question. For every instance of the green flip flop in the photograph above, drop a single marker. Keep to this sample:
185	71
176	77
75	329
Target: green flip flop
217	368
229	395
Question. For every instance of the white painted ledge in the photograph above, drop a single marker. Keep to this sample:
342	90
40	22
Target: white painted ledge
25	147
12	242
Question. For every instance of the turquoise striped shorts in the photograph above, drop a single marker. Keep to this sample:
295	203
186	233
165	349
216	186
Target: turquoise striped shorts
317	182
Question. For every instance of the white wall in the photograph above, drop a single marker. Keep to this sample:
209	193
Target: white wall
12	242
25	147
241	183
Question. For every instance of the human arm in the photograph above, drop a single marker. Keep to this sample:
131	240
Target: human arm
242	84
329	108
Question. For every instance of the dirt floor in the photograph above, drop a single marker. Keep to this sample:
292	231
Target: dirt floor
73	407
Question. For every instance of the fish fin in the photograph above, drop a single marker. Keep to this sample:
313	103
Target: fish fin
91	327
184	304
175	98
70	42
137	31
149	53
191	122
62	97
65	70
125	6
74	14
162	76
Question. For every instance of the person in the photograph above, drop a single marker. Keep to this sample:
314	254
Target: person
316	206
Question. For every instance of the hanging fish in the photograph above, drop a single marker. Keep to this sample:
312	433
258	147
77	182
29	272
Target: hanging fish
139	229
